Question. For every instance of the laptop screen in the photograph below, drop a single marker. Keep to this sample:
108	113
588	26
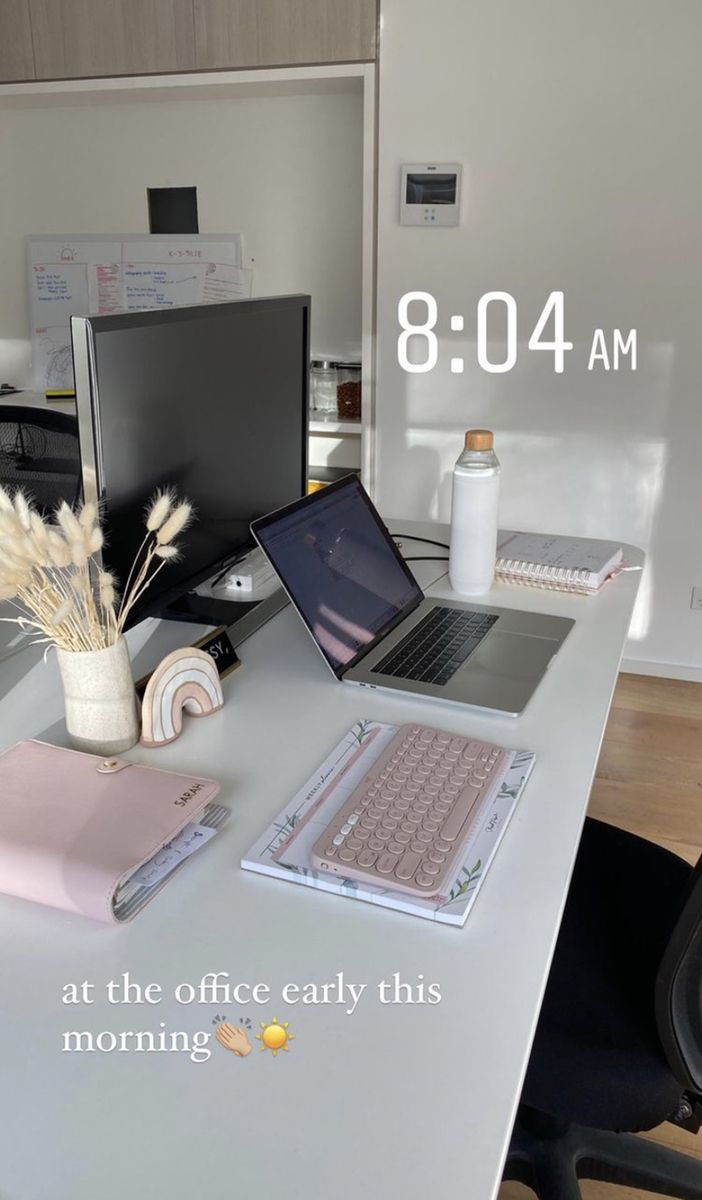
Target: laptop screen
340	568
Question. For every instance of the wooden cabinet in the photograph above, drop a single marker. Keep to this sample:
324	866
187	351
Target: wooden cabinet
76	38
270	33
16	50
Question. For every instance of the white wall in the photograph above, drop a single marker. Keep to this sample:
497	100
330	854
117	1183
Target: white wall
578	124
286	171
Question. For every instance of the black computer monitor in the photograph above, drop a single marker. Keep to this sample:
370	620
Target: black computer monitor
211	399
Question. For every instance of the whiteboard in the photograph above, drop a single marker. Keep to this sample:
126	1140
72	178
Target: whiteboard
90	274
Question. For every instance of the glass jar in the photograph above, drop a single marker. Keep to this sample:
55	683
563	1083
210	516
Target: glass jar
348	391
323	384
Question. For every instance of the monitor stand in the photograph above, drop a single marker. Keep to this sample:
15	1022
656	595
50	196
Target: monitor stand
240	618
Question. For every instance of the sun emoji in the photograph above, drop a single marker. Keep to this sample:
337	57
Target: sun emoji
274	1036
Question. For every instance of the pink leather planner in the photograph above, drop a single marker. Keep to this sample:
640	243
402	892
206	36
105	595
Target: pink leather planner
75	828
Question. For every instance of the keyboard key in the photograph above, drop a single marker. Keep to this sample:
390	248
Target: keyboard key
396	848
456	819
424	881
366	858
408	864
375	843
347	855
338	840
386	863
353	843
430	868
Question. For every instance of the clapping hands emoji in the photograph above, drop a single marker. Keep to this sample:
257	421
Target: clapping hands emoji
233	1038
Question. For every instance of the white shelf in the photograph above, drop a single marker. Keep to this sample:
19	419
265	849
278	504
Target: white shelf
337	427
246	82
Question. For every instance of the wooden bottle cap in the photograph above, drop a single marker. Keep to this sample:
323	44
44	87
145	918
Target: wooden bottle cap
479	439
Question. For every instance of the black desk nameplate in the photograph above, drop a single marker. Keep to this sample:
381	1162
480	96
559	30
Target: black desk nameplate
219	645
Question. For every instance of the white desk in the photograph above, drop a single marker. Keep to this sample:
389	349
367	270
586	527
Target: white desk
404	1102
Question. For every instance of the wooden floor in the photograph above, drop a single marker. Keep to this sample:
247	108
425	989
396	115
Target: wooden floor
649	780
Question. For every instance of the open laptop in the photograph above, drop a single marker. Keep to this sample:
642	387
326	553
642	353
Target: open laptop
372	622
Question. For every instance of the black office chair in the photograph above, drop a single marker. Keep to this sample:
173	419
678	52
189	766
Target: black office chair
618	1047
39	452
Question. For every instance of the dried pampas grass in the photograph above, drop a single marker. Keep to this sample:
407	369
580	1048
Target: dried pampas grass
49	574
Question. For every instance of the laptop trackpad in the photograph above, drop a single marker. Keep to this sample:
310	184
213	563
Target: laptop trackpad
514	655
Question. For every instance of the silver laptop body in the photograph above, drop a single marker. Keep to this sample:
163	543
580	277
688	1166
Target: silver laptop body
372	623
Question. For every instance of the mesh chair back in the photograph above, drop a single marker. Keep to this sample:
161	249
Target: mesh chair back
679	990
40	453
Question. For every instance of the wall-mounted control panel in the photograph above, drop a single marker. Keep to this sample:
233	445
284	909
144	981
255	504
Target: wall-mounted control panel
430	194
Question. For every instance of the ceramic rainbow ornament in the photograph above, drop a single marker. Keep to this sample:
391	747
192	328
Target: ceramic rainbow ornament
186	681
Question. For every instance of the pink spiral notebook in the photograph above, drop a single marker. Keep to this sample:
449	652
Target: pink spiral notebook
96	836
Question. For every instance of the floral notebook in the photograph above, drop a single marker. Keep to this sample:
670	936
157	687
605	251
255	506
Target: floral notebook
284	849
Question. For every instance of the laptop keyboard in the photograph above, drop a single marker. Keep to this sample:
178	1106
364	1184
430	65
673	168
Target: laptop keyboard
434	650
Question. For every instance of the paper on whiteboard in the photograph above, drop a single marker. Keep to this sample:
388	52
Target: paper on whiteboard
223	282
105	288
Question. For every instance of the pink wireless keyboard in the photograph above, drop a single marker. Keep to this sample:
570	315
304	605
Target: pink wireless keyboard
405	825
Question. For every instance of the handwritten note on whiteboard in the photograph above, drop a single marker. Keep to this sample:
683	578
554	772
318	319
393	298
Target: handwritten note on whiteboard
90	275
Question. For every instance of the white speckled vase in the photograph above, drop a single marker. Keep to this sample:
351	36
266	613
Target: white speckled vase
101	704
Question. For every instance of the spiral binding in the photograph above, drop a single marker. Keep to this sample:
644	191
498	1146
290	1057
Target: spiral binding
554	579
